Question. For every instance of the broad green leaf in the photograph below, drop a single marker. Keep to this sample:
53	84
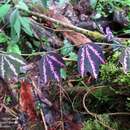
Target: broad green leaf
3	38
15	25
25	22
13	48
67	48
4	10
10	65
22	5
14	16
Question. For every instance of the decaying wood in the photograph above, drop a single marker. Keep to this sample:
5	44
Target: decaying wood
94	35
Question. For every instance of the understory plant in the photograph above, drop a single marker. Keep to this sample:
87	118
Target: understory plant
44	52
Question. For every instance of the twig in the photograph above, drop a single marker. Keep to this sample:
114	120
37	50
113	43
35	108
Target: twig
95	114
43	53
61	109
91	113
43	119
13	113
41	111
92	34
90	91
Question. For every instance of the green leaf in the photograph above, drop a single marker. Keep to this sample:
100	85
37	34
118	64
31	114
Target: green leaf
63	73
25	22
73	56
10	65
4	10
67	48
3	38
22	5
13	48
13	17
15	25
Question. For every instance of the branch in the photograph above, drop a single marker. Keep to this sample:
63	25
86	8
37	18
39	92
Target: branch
92	34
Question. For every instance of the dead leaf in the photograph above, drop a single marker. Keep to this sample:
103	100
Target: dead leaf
77	38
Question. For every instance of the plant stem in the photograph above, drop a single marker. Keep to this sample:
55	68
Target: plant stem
96	115
94	35
43	119
41	111
43	53
61	109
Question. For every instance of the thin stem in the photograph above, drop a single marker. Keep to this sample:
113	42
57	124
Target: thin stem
44	53
41	111
92	34
97	116
43	119
91	113
110	44
61	109
12	112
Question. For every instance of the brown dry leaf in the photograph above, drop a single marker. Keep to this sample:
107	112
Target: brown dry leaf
75	37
